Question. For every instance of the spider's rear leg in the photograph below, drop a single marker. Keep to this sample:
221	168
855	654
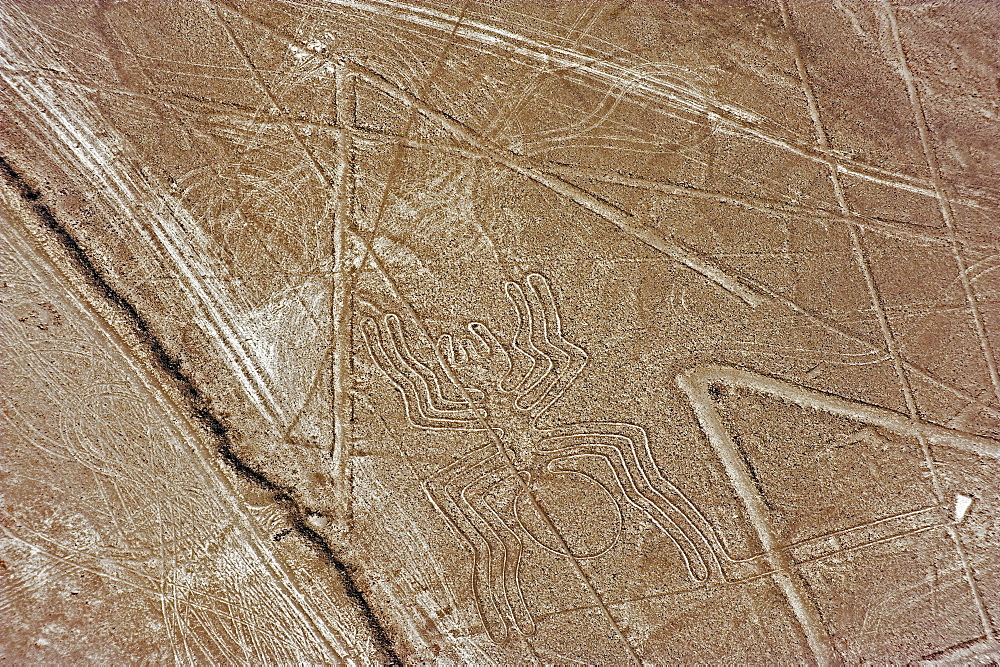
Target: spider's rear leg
507	569
624	449
458	492
439	487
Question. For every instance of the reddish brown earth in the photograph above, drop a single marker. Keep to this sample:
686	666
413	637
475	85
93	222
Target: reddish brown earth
366	331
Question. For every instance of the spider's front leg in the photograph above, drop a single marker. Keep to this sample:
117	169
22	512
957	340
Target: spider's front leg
553	361
480	361
419	385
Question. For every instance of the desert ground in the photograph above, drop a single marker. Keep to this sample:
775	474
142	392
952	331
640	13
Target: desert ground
462	332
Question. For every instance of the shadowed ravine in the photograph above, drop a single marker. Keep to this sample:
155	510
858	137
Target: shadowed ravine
201	408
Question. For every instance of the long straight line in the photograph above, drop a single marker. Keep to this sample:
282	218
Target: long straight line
662	88
525	166
339	309
880	312
529	493
161	396
340	303
397	157
944	203
788	579
626	222
506	456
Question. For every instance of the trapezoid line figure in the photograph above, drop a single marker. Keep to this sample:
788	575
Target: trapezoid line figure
697	384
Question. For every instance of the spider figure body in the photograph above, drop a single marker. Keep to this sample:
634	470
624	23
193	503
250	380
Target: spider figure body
491	496
501	495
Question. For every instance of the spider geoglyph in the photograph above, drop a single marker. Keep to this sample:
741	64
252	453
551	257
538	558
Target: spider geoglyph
491	496
517	486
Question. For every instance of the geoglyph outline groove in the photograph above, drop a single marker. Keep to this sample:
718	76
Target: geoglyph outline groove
461	490
471	487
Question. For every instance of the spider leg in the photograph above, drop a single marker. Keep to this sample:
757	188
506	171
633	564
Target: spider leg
489	345
429	377
479	346
454	352
671	496
412	386
507	572
615	443
524	341
439	487
674	496
566	359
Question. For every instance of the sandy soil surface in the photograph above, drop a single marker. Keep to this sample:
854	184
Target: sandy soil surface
365	331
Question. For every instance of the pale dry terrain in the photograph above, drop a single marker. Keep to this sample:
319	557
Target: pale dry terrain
365	331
